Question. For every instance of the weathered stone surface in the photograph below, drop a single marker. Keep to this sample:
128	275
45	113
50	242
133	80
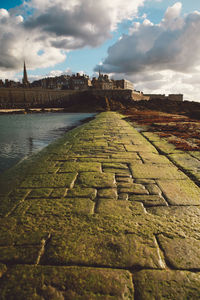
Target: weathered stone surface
181	253
144	148
80	167
82	192
151	171
134	188
149	200
3	269
180	192
166	147
107	193
153	189
119	208
60	207
19	254
49	180
186	161
124	251
152	158
166	284
39	193
49	282
97	180
104	201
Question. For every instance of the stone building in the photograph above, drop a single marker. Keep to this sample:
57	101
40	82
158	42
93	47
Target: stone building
102	82
123	84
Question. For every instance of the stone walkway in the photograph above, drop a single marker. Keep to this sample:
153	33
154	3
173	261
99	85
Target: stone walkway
101	215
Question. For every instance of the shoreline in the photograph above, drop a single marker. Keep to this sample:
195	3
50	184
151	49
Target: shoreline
30	110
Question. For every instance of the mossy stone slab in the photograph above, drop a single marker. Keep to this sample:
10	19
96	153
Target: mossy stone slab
144	148
180	192
166	284
134	188
96	180
186	161
60	207
3	269
107	193
149	200
166	147
151	136
151	171
119	208
19	254
39	193
102	249
152	158
49	181
75	283
80	167
78	191
181	253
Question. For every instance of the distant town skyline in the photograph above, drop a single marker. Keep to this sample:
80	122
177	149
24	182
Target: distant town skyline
155	44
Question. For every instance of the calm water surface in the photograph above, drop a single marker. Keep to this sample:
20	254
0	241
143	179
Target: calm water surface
22	135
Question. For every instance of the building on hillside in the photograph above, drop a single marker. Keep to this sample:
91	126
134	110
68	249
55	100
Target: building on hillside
102	82
123	84
80	82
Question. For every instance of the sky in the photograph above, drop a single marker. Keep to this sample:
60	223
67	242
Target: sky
153	43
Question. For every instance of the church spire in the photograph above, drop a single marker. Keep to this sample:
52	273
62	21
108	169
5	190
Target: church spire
25	77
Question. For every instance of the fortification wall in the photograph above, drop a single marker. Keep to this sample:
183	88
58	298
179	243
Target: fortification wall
120	94
20	98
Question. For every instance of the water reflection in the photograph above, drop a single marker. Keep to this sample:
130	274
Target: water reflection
22	135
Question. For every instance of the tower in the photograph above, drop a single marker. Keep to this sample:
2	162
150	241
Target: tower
25	77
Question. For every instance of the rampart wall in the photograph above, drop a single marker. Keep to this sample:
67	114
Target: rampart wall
20	98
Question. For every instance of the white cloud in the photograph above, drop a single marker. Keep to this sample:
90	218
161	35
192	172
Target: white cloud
42	32
170	49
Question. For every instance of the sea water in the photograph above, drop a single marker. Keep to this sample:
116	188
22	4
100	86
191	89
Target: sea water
21	135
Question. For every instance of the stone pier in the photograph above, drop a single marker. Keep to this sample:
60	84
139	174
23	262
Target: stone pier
103	213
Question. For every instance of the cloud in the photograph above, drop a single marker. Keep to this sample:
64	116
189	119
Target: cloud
171	47
42	32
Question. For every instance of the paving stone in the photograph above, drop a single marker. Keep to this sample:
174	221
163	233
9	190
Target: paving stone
49	181
166	147
55	282
58	192
60	207
134	188
186	161
101	249
82	192
39	193
115	166
19	254
3	269
152	158
7	203
166	284
145	181
149	200
144	148
80	167
183	192
123	196
119	208
97	180
177	212
107	193
181	253
151	136
195	154
150	171
153	189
